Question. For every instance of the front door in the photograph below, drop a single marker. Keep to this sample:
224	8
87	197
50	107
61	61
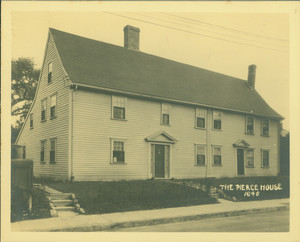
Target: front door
160	161
240	162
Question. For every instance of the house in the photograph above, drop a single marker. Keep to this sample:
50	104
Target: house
105	112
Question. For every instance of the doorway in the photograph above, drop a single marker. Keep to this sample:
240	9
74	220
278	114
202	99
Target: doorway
240	162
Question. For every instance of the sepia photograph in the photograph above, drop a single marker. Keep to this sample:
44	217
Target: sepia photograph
169	118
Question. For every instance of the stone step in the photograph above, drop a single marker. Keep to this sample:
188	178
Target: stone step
60	196
62	202
67	213
65	208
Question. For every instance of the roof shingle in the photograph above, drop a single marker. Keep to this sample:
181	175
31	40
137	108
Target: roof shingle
104	65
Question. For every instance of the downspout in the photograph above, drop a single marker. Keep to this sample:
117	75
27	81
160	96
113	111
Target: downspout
71	138
208	142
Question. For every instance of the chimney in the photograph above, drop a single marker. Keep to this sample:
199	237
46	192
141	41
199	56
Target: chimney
251	76
131	37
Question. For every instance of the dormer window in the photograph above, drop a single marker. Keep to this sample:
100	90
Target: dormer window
50	72
249	125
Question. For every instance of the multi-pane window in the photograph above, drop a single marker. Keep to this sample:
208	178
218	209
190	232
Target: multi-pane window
250	158
165	113
265	127
249	125
217	155
200	118
50	72
52	151
217	120
43	109
265	158
53	106
200	155
118	107
42	152
31	120
118	151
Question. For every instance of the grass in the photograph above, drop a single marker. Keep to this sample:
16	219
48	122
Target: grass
116	196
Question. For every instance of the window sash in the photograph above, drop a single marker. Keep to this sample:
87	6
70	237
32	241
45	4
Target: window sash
50	72
118	101
200	155
53	151
53	100
31	120
119	113
166	119
250	125
250	158
118	152
42	151
200	122
217	124
265	158
52	111
217	155
265	127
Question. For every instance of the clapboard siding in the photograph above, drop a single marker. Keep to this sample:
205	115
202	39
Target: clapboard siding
54	128
93	129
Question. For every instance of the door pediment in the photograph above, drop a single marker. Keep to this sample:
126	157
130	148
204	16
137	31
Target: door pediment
162	137
241	143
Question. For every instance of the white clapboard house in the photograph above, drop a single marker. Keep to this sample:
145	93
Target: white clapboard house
105	112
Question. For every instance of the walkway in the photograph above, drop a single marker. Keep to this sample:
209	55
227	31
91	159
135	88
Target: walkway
100	222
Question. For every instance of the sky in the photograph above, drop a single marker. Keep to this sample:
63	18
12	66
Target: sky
222	42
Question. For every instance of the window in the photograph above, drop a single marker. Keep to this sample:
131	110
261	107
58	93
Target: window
217	155
265	127
165	113
53	106
200	118
265	158
200	155
250	158
217	119
50	72
43	109
118	107
31	120
52	151
42	152
118	151
249	125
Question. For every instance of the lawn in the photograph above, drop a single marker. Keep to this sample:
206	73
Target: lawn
116	196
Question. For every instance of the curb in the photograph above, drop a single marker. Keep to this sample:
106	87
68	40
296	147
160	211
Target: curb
138	223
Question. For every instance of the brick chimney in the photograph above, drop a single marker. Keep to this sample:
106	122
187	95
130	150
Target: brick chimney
131	37
251	76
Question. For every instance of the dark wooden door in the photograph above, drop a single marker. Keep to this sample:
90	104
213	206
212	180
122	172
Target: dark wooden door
240	162
160	161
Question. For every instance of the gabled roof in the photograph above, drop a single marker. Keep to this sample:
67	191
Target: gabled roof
101	65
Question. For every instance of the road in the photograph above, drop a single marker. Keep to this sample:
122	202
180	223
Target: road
259	222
